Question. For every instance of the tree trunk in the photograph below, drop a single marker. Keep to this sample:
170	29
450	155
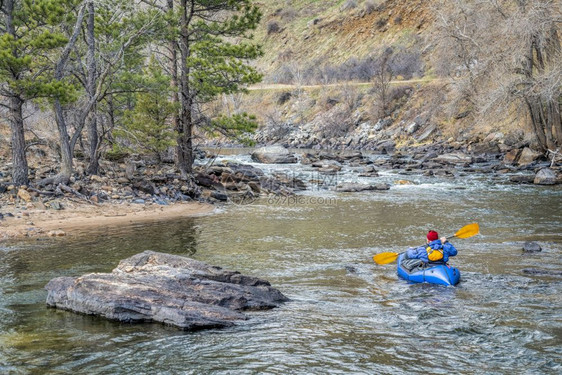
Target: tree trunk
66	168
110	113
173	48
185	126
67	148
19	169
554	113
93	151
93	166
19	160
534	112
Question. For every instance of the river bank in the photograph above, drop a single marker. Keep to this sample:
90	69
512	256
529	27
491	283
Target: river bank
138	191
77	218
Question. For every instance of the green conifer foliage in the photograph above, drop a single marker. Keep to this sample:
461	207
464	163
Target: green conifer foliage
146	127
30	35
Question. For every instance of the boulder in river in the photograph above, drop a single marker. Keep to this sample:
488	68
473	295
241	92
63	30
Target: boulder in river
542	272
456	157
171	289
531	247
350	187
545	176
528	156
512	156
522	179
273	155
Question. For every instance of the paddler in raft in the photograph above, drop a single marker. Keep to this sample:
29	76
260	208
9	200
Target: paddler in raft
437	250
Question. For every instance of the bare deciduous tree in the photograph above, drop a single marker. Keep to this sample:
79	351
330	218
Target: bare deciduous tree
382	77
503	53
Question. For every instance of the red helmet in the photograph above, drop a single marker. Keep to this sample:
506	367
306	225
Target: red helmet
432	235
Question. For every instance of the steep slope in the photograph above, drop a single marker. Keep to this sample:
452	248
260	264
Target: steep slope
322	86
308	33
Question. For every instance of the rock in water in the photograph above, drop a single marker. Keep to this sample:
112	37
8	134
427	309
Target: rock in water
531	247
273	155
545	176
528	156
542	272
348	187
158	287
456	157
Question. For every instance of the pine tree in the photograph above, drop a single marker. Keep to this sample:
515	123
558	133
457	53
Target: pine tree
213	38
29	36
147	127
113	29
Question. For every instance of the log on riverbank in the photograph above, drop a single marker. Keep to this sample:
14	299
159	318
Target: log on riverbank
158	287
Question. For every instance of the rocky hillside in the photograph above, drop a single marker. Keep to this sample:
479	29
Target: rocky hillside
322	81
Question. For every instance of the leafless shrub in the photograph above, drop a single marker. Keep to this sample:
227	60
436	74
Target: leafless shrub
288	14
277	129
282	75
381	82
370	7
349	4
381	22
337	124
406	63
506	54
350	96
273	27
398	20
400	92
285	55
284	98
381	7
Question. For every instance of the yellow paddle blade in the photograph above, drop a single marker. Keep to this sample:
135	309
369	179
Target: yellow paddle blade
468	231
385	258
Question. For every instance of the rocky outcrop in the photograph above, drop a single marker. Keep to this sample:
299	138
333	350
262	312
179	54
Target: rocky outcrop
243	184
170	289
273	155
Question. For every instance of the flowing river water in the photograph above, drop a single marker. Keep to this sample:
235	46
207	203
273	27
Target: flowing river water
347	315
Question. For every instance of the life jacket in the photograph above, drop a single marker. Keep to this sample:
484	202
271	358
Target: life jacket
434	255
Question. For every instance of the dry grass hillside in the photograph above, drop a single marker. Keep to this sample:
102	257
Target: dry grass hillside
320	72
332	32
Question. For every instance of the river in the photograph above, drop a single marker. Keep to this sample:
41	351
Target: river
347	315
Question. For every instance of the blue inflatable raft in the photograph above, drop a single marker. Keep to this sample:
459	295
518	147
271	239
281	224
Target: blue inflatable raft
442	274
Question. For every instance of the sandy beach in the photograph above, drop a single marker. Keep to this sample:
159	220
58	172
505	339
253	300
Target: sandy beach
77	218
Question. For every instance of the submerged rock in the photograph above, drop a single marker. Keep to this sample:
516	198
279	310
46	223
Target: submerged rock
350	187
158	287
531	247
542	272
522	179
